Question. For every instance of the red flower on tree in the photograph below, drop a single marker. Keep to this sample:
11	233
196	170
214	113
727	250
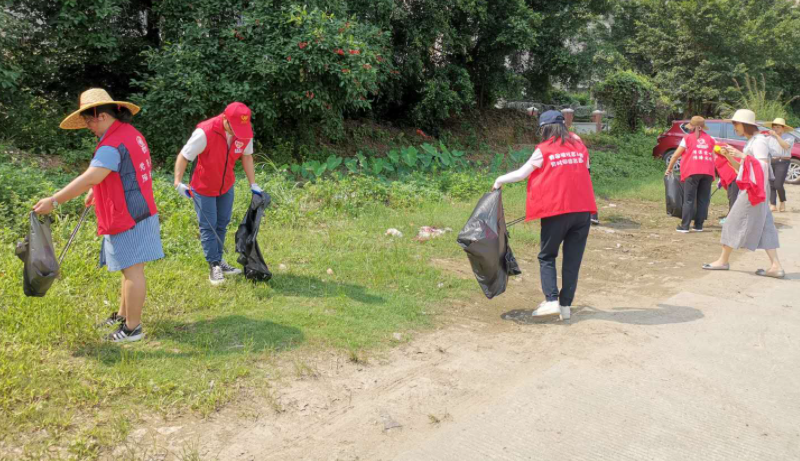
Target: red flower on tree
345	71
310	94
302	45
340	52
289	58
355	51
367	66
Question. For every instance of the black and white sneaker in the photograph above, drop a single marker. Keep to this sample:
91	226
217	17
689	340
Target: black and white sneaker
682	230
216	276
227	269
112	320
697	229
123	335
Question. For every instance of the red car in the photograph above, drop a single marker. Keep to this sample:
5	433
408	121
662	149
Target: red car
721	131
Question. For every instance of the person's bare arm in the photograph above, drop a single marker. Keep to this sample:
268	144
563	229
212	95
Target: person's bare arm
91	177
180	168
677	155
249	168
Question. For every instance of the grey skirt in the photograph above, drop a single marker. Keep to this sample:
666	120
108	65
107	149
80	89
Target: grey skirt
749	226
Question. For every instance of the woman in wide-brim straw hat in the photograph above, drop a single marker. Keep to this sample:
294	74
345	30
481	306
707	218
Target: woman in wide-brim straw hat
119	183
780	146
749	223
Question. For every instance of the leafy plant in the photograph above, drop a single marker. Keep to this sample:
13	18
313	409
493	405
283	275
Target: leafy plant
754	96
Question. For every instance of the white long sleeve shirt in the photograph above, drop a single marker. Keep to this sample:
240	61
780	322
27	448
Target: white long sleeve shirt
524	172
197	144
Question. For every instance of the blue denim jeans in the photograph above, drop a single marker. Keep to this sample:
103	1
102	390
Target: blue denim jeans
214	215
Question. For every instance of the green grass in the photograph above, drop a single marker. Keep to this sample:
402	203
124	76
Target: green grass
59	384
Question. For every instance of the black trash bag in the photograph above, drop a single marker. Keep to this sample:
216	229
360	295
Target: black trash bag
673	190
36	252
485	240
247	240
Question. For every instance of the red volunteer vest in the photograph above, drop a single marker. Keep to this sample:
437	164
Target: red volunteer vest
699	155
119	210
562	185
213	173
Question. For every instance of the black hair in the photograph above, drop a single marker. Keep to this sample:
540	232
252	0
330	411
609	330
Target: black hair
118	111
556	130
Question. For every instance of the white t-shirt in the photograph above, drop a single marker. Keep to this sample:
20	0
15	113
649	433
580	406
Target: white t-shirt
197	144
778	151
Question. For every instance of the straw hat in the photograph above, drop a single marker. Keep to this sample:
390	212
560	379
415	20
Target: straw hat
88	99
746	116
778	121
698	122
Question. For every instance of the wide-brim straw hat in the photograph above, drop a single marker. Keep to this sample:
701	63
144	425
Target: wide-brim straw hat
745	116
778	121
92	98
698	121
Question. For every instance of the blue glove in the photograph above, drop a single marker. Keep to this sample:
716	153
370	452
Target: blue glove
255	189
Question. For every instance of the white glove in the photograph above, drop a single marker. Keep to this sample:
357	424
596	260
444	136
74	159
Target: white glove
255	189
183	190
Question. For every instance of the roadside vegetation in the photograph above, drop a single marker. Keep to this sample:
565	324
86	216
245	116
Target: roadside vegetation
207	346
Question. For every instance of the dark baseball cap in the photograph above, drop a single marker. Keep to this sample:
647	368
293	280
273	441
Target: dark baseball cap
550	117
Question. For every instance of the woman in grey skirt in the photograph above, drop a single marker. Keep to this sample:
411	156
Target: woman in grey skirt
749	226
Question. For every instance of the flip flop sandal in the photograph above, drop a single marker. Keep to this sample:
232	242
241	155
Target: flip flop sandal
775	275
709	267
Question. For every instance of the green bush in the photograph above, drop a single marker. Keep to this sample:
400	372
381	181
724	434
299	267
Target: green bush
299	69
631	96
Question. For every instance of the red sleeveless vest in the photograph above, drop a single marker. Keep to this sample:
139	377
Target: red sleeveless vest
119	210
699	155
213	173
562	185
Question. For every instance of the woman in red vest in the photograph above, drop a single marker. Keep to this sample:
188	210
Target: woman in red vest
697	174
120	186
216	144
560	193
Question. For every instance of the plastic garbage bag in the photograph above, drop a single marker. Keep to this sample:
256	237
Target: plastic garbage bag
673	189
485	239
247	240
36	252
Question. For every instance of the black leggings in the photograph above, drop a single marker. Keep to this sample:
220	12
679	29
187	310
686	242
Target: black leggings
781	170
571	229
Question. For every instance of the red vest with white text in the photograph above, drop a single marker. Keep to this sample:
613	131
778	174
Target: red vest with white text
119	204
699	155
213	173
562	185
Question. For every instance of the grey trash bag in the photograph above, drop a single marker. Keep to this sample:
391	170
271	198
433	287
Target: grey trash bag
247	240
36	252
485	239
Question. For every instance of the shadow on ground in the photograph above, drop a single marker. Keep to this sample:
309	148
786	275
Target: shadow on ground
664	314
221	336
313	287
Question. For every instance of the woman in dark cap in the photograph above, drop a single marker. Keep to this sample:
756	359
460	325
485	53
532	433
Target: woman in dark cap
560	193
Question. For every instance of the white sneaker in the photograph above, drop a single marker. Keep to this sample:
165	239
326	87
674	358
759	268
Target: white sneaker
565	312
216	277
547	308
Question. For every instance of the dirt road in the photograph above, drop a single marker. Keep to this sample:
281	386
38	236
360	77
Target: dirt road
660	361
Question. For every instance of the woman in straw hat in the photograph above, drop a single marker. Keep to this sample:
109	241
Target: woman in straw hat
780	146
749	223
697	174
120	186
